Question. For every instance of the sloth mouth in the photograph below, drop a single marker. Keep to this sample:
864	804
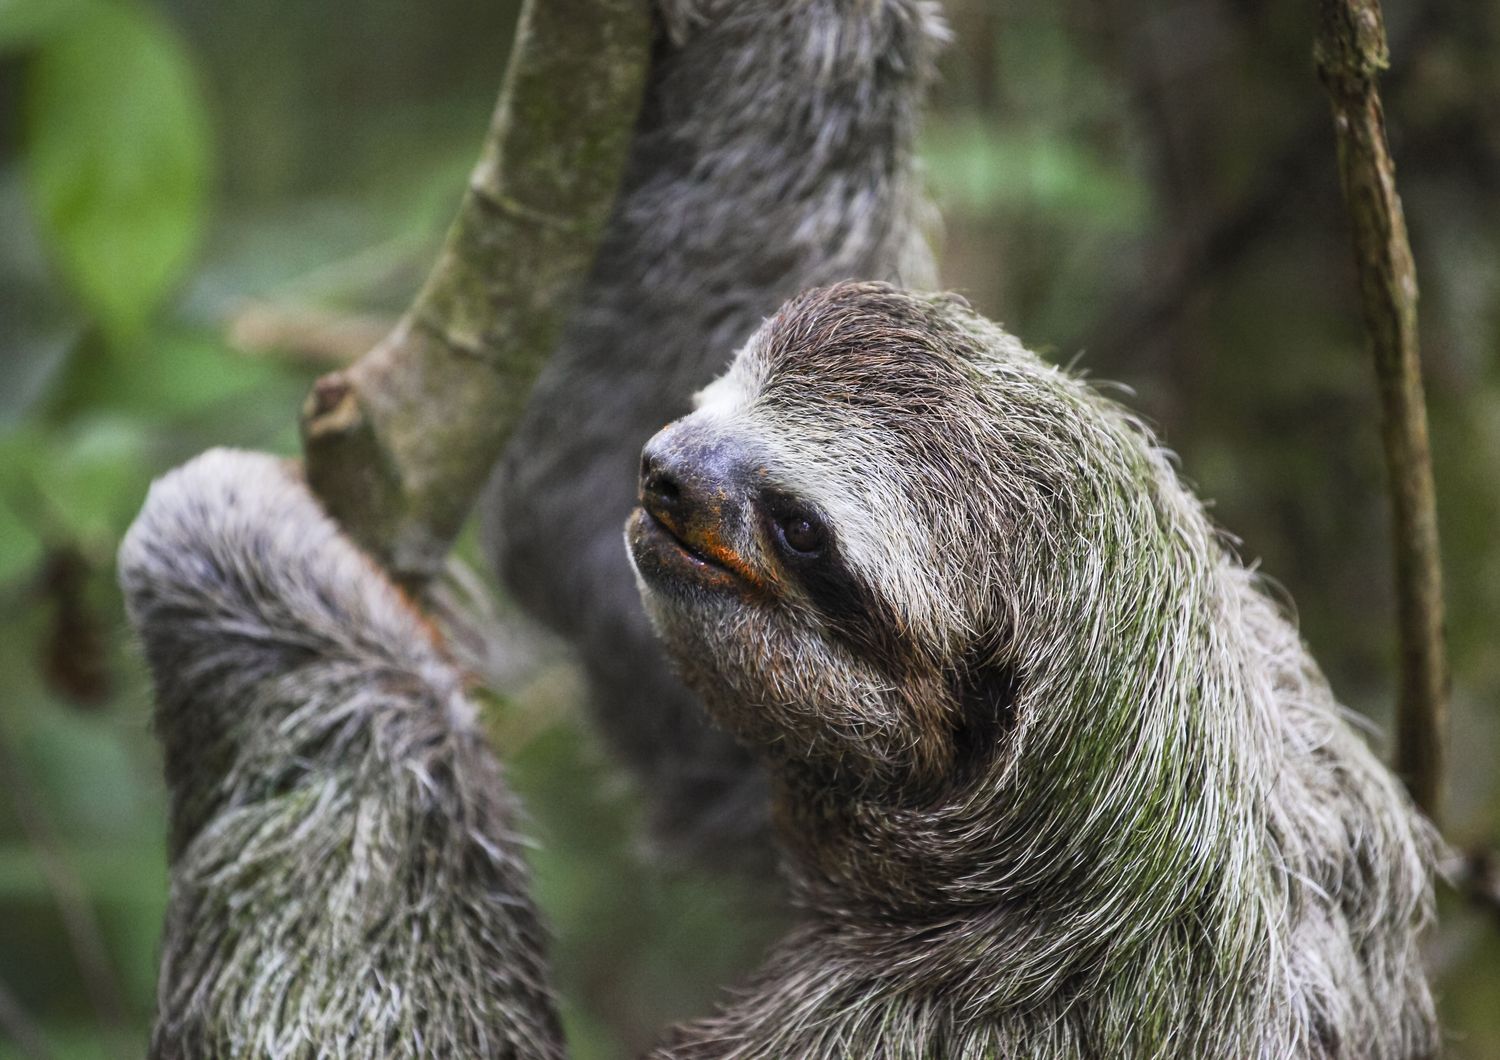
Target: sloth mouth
657	523
663	552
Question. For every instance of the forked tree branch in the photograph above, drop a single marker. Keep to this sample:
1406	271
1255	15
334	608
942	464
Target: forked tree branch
399	444
1351	52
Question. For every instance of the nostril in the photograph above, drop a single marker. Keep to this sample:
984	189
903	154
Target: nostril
663	487
659	489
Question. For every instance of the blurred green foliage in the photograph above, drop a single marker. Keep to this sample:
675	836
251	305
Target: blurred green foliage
117	157
1142	185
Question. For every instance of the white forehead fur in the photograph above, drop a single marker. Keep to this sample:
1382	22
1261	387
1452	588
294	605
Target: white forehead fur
844	476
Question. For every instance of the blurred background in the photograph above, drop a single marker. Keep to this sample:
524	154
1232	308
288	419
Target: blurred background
206	203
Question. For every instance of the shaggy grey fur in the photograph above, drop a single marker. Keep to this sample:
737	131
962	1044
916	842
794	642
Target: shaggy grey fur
344	882
1056	778
775	153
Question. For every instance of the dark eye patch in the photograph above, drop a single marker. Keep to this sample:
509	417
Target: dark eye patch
854	611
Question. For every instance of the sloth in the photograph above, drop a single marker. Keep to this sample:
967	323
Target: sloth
1052	775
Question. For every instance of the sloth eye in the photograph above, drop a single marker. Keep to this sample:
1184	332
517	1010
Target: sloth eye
801	532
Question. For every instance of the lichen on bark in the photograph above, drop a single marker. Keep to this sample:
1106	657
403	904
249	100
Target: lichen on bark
398	444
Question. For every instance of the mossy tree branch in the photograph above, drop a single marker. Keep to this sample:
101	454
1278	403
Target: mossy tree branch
399	444
1351	52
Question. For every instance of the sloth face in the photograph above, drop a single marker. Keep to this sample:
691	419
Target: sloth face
820	543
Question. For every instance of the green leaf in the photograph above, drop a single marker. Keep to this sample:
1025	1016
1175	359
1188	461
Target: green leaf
21	532
82	483
24	23
175	375
128	874
20	548
98	474
117	158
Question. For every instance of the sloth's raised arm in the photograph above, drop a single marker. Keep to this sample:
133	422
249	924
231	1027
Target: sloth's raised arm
345	879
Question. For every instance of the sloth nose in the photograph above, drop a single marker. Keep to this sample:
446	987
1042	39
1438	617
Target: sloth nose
660	492
698	485
687	480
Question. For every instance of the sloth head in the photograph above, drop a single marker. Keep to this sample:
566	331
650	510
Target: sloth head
890	545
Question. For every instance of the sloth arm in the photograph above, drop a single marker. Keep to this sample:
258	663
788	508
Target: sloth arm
345	874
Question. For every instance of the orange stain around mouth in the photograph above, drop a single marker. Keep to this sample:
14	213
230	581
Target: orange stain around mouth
703	534
709	541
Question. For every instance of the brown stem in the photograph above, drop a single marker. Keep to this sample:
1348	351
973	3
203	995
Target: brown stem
1351	51
303	335
399	444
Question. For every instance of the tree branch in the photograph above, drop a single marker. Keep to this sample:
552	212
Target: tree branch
303	335
399	444
1351	51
